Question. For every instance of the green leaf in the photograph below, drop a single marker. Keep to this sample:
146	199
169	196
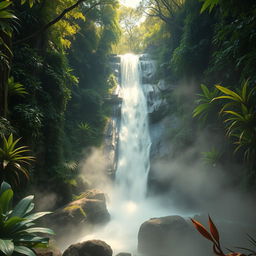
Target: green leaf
40	230
199	109
6	246
224	97
37	215
6	200
244	90
229	92
209	4
4	4
7	15
22	207
205	90
30	208
32	239
4	186
12	222
234	114
24	250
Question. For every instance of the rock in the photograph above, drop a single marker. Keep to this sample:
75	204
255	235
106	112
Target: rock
164	87
158	113
89	248
52	251
157	104
148	68
170	235
91	207
124	254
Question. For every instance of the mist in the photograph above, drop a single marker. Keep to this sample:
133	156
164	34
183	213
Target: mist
180	184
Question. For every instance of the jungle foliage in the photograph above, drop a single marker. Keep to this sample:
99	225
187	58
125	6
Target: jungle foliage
54	78
199	44
19	235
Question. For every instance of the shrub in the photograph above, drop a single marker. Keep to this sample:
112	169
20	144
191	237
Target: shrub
18	232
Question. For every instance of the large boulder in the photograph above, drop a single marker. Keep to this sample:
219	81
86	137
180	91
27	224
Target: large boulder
90	208
170	236
89	248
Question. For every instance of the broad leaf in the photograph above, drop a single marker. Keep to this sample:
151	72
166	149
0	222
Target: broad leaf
32	239
6	200
4	4
40	230
12	222
37	215
229	92
22	207
6	246
24	250
4	186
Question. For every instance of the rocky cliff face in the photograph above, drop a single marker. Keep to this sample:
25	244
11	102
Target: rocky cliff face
158	107
113	124
160	119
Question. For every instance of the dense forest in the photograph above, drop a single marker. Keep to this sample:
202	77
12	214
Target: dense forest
56	80
50	96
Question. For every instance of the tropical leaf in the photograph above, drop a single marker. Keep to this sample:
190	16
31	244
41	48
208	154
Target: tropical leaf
200	109
15	88
209	4
32	239
229	92
11	223
214	230
21	208
6	247
24	250
6	200
202	230
4	4
14	160
37	215
40	230
18	227
4	186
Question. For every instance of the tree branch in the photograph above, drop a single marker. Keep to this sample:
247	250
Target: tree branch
57	19
156	9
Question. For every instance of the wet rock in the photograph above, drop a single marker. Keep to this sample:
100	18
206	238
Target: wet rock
157	104
52	251
89	248
170	235
124	254
91	207
148	68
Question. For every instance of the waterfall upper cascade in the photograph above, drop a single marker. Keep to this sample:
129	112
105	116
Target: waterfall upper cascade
134	139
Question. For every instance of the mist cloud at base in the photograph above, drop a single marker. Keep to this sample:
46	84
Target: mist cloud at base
93	170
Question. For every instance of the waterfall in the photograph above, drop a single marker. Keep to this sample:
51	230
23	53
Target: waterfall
134	139
128	205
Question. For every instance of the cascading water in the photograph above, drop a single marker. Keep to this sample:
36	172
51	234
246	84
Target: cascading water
128	205
134	139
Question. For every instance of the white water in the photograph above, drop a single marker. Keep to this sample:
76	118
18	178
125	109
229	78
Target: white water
128	205
134	139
